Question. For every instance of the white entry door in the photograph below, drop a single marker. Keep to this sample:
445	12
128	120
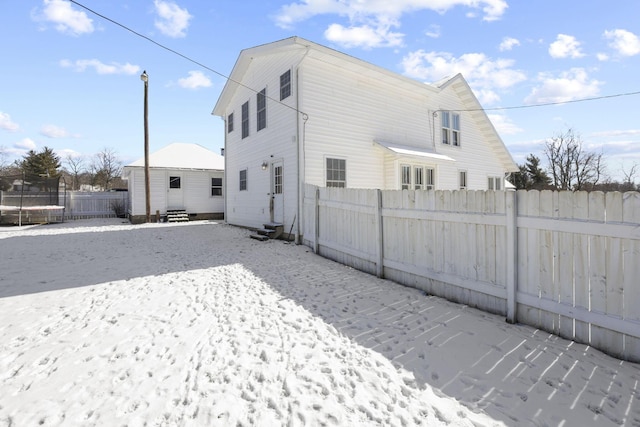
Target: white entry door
175	193
277	192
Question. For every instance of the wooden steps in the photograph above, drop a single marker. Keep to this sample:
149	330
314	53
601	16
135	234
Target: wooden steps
177	215
271	230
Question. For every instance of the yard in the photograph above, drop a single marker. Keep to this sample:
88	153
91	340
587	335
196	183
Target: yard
106	323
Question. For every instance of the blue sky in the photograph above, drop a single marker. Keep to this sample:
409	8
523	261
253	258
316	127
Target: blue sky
70	80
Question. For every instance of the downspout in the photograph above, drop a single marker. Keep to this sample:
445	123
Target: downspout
224	174
300	154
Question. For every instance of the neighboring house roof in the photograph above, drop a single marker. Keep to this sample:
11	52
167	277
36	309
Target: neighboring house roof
183	156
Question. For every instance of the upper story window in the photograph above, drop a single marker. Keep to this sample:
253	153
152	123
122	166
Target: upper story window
336	173
245	119
285	85
261	102
450	128
230	123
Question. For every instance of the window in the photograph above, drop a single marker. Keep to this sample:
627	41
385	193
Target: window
243	179
495	183
245	119
422	177
463	179
430	185
277	180
336	173
455	131
450	128
261	101
285	85
174	182
216	186
230	123
405	177
418	182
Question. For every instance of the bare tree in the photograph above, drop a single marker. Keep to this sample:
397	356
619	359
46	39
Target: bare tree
630	174
75	168
106	167
571	166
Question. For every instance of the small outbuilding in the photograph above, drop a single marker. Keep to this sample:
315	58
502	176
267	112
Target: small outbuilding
185	180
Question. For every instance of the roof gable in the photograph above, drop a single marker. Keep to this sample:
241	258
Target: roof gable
183	156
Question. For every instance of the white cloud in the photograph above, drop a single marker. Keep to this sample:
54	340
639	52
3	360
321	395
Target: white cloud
433	31
565	47
26	144
484	75
375	18
173	20
508	43
624	42
602	57
570	85
65	18
363	36
195	80
53	131
81	65
7	124
504	125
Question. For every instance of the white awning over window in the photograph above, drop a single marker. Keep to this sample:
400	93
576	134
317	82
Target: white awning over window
413	151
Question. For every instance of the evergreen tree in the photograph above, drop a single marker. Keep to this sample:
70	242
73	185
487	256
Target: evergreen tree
538	178
43	164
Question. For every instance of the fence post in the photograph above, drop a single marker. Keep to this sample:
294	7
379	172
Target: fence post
380	240
512	256
316	225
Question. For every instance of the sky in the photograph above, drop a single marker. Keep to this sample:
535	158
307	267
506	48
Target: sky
70	79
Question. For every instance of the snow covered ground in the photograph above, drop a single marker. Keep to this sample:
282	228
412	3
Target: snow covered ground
106	323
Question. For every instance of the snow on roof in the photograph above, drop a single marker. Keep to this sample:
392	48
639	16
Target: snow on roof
181	155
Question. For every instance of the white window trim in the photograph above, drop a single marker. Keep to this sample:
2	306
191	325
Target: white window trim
450	130
411	183
466	179
326	180
495	182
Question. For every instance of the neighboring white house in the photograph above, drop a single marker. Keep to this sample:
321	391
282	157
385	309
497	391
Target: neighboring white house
297	112
182	176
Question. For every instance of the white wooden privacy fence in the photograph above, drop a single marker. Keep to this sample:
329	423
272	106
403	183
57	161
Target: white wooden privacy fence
98	204
568	263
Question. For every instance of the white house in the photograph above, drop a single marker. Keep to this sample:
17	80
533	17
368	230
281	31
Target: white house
182	177
297	112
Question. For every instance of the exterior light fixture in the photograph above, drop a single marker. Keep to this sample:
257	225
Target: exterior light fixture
265	165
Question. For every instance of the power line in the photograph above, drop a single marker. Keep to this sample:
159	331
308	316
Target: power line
545	104
175	52
228	78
